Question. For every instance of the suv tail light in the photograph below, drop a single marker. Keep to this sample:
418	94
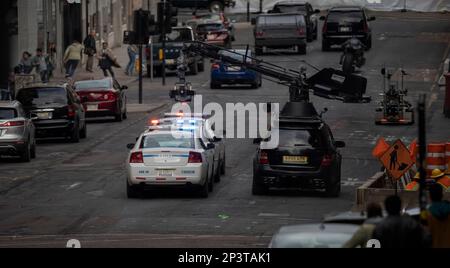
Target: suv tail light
12	124
301	32
324	29
327	160
366	27
215	66
137	158
259	34
195	158
264	158
71	111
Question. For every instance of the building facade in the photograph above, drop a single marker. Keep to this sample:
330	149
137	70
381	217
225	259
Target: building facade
36	24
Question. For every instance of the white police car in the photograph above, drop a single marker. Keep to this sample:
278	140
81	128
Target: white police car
166	158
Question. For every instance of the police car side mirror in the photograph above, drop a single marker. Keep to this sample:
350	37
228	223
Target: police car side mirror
371	18
210	146
339	144
317	11
130	146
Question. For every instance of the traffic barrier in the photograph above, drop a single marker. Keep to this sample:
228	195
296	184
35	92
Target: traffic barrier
447	157
436	157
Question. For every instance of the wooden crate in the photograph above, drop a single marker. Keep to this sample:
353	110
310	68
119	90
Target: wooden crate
377	189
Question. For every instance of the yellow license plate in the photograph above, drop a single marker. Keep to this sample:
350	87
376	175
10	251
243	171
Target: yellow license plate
296	160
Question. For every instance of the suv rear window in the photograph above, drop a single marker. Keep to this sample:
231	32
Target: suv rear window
7	113
38	97
281	20
346	17
300	138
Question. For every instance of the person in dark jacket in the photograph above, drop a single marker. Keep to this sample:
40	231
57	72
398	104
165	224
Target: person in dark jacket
90	49
438	218
397	231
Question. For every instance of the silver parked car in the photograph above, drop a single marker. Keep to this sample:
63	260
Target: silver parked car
17	132
280	31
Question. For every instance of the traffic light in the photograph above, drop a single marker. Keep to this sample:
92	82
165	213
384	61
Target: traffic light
167	16
141	25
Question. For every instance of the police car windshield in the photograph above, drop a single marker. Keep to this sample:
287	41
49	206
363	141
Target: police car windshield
182	141
300	138
7	113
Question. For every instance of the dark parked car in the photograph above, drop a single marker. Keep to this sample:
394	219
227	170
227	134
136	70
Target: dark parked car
104	97
303	8
17	134
307	156
213	5
343	23
280	31
56	110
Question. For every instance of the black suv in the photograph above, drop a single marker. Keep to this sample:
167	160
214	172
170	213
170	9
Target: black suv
304	9
56	110
343	23
213	5
306	157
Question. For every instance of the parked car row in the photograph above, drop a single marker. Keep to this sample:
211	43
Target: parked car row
56	110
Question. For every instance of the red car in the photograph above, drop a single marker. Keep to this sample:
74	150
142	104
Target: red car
214	33
102	98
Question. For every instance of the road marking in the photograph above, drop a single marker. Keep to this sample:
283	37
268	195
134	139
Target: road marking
75	185
273	215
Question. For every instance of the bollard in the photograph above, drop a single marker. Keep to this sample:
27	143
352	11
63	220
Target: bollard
447	96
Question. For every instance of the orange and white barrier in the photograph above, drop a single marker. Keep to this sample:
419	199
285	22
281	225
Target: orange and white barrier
436	157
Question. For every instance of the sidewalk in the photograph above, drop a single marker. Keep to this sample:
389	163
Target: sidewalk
131	81
122	58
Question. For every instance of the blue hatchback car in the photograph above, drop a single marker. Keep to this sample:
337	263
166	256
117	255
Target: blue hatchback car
226	74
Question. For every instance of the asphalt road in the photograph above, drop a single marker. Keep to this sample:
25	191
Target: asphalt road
78	191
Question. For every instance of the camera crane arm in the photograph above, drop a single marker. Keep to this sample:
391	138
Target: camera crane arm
328	83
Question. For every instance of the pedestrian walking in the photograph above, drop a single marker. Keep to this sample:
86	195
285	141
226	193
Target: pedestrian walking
72	57
365	232
40	62
90	49
132	53
438	218
25	65
107	60
399	231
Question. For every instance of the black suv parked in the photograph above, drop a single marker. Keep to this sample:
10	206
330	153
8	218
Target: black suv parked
56	110
306	157
343	23
212	5
303	8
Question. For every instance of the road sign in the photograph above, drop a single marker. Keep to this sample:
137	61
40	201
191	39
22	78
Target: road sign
397	160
